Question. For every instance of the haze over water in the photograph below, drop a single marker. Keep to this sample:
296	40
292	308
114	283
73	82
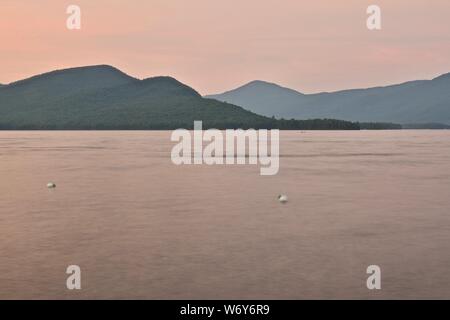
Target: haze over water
141	227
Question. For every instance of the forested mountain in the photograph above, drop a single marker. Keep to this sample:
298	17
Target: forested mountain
103	97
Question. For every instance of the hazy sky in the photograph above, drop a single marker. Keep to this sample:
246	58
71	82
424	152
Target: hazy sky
212	45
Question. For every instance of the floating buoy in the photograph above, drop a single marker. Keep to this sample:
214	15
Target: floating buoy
283	198
51	185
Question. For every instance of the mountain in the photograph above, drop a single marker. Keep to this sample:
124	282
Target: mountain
103	97
423	101
264	97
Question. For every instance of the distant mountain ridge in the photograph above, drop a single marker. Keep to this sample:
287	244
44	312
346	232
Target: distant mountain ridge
103	97
421	101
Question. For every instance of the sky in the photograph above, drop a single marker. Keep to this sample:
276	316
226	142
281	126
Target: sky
214	46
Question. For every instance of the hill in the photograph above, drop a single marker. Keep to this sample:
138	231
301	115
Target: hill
422	101
103	97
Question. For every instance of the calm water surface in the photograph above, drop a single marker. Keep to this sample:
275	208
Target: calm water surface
141	227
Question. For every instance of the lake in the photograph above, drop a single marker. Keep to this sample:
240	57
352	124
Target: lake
141	227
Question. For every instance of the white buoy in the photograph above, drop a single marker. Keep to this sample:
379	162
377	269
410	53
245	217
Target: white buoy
283	198
51	185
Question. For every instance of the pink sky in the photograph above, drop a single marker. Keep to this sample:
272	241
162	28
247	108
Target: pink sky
311	46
